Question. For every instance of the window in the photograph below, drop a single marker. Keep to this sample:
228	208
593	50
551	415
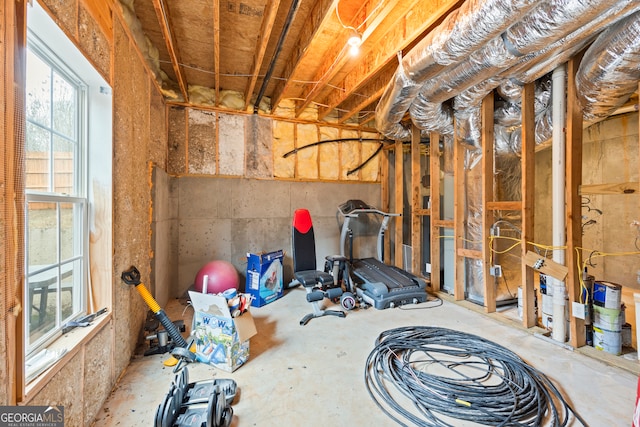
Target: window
68	156
56	201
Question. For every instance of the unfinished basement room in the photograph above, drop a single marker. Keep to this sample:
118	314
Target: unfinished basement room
320	213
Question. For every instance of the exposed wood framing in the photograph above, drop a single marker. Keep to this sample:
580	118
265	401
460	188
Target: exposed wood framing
511	205
469	253
101	12
335	60
527	187
459	278
488	197
216	49
604	189
407	28
434	173
573	199
416	203
318	18
261	47
444	223
399	203
352	111
165	25
12	64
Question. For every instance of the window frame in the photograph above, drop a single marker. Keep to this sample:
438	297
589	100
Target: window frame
78	198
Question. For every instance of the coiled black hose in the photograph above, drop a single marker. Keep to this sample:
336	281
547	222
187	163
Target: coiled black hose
446	375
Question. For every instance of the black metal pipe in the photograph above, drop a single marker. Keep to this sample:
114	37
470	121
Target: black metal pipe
272	65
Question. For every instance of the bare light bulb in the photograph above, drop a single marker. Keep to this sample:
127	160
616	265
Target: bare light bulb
354	42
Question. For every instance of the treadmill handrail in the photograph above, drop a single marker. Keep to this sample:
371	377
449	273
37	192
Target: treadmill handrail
355	212
383	227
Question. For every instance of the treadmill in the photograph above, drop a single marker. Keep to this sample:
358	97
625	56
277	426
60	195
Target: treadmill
376	283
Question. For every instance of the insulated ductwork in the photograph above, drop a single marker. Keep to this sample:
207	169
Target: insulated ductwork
610	69
462	32
554	28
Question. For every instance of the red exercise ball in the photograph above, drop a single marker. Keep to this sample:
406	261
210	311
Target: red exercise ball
218	276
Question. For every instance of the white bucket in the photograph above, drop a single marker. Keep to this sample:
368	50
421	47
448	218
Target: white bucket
608	341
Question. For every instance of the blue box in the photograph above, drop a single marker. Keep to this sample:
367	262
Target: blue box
264	277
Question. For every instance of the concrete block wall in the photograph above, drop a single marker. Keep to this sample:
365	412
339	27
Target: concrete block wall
224	218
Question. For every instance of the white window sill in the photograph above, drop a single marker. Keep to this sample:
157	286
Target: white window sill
73	342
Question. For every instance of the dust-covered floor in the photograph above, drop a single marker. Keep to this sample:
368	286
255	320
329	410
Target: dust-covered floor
314	375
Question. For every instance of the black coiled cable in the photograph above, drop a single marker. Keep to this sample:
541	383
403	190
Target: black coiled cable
446	375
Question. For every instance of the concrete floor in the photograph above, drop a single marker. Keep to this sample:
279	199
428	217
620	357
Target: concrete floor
313	375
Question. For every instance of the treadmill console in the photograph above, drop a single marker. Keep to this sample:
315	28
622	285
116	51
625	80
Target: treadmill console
352	205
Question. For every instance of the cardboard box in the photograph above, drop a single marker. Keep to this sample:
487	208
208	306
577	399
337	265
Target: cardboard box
221	340
264	277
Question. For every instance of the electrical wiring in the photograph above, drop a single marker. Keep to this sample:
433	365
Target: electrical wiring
431	376
432	302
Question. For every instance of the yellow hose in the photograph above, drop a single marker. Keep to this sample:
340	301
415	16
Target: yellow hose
148	298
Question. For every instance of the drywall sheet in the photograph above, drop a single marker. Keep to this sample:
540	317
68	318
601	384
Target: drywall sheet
177	142
283	142
231	144
307	158
202	142
370	171
350	155
258	140
329	154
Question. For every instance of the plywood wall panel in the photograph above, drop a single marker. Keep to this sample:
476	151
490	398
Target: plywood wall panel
231	144
202	142
258	140
283	142
177	141
329	154
307	158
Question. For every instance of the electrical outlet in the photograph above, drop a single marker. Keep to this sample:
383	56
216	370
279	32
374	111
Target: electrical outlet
496	271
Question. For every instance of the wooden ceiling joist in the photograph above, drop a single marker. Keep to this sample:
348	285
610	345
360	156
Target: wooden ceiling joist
216	49
261	47
384	47
165	25
318	19
336	62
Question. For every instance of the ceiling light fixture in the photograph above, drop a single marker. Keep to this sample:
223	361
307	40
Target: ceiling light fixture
354	42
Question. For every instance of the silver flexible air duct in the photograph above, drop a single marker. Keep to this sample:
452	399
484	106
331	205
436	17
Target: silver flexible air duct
500	56
462	32
438	118
394	103
610	69
547	23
